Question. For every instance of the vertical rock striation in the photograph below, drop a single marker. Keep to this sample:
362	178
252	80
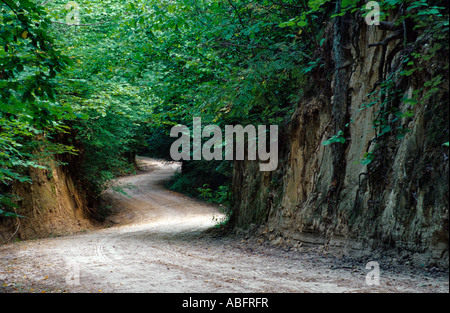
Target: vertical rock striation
323	194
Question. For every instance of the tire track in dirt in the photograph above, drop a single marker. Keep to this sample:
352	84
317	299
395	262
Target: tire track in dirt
158	244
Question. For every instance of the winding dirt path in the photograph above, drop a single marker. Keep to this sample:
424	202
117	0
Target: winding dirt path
157	244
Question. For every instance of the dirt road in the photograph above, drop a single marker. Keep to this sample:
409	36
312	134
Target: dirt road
157	244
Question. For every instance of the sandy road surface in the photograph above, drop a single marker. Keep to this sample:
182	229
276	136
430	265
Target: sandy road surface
158	244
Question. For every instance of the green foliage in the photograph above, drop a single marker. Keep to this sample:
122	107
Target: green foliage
105	87
8	201
228	62
221	196
131	70
208	181
30	115
394	107
427	20
339	137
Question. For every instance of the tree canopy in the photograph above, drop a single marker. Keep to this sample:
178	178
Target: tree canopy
119	74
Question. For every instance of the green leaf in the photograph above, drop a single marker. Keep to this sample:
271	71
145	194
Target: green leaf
385	129
368	159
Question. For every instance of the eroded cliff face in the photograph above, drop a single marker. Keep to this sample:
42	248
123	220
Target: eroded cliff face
53	204
323	194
